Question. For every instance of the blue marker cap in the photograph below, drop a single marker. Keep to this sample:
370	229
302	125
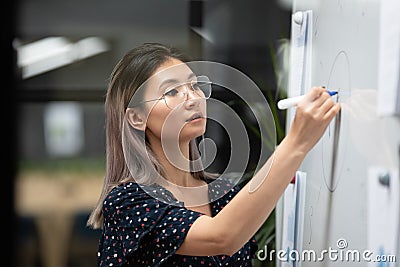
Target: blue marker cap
332	93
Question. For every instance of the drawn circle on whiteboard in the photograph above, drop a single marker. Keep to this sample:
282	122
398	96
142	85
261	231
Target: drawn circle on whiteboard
334	140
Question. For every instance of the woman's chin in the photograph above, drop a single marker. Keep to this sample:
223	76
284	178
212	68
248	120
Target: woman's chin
190	134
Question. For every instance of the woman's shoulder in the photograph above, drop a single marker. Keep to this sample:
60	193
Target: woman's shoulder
131	195
120	195
121	192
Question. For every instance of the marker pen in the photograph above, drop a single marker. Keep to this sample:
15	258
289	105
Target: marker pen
293	101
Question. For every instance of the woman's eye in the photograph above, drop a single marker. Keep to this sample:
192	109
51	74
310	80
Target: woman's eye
172	92
196	86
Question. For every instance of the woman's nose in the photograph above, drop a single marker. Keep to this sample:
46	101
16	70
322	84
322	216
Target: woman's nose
191	98
190	93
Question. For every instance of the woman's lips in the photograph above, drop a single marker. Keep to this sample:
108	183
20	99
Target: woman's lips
195	120
195	117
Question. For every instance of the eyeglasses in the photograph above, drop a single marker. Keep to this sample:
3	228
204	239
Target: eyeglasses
176	94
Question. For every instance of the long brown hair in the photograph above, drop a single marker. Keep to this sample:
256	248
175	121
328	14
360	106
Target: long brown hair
128	75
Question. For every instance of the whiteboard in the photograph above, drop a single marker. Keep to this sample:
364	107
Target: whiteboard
345	45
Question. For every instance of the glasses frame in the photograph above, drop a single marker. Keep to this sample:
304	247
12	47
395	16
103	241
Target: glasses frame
187	93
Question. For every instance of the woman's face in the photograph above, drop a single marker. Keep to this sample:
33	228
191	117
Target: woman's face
168	120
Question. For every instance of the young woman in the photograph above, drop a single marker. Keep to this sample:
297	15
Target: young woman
146	216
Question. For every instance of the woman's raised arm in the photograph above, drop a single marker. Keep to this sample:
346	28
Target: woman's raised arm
240	219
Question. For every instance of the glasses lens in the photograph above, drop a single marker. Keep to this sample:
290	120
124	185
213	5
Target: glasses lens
177	94
202	86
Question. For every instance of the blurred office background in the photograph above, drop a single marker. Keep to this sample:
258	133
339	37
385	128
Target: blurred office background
62	53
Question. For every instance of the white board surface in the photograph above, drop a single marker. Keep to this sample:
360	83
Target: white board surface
345	57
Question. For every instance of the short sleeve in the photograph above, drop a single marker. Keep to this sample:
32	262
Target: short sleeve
141	230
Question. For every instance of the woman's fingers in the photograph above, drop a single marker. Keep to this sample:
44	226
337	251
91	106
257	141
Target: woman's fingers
314	94
313	115
331	113
315	98
326	104
317	101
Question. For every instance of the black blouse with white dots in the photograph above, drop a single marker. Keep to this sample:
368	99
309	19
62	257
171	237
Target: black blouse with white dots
140	230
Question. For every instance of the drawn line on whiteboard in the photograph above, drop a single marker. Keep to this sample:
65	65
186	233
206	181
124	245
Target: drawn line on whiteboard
319	194
315	26
341	52
311	213
332	184
335	147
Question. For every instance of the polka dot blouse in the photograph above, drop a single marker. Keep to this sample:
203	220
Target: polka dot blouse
140	230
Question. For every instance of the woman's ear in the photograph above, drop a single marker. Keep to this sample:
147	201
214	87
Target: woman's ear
136	118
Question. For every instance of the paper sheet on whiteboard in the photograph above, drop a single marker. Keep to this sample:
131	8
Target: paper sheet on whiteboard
300	56
293	217
383	214
300	207
389	58
289	220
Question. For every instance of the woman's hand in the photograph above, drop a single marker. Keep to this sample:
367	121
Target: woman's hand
313	115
